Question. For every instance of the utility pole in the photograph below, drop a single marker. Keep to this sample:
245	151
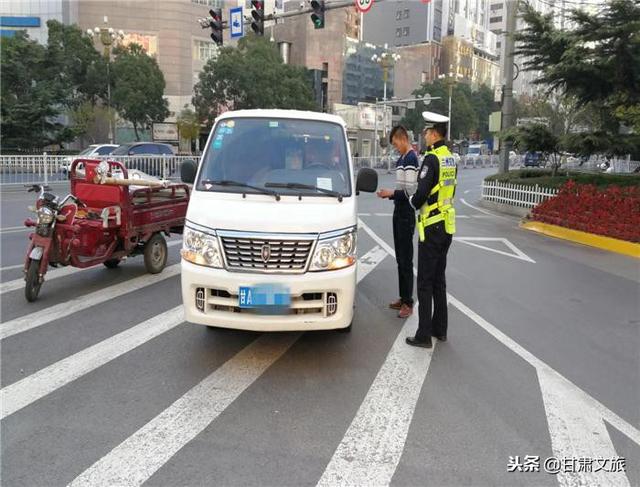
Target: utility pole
507	91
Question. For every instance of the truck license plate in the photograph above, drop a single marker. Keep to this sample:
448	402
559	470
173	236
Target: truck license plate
264	296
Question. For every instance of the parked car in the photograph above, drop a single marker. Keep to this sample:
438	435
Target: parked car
533	159
91	151
146	163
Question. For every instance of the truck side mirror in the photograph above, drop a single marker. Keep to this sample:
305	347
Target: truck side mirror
188	171
367	180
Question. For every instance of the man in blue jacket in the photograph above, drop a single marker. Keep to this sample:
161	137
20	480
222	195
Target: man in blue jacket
404	217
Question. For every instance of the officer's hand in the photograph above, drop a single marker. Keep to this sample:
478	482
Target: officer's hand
384	193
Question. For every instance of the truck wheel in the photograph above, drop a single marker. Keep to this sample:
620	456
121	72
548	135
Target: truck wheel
33	284
111	263
155	254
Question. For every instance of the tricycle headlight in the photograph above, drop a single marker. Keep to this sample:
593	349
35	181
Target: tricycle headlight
335	252
45	215
201	248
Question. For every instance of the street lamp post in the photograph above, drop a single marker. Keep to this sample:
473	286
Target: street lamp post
450	79
107	37
386	60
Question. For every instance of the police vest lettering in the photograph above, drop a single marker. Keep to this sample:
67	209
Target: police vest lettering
445	189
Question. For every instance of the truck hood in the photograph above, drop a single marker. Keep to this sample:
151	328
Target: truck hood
261	213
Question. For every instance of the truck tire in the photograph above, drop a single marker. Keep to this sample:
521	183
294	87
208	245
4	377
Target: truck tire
111	263
155	254
32	284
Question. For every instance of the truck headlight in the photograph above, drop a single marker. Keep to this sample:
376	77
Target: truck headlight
201	248
45	215
335	252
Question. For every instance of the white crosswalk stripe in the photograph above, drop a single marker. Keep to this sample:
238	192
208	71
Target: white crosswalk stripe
142	454
87	301
22	393
8	286
372	446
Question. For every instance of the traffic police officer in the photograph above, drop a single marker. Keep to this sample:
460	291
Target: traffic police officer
436	225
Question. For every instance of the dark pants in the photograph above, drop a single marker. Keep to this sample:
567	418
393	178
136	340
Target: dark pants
404	224
432	262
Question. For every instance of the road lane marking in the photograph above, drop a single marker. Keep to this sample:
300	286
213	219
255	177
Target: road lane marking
138	457
11	267
577	432
13	230
54	273
517	253
28	390
373	444
87	301
463	201
467	191
369	261
134	460
559	386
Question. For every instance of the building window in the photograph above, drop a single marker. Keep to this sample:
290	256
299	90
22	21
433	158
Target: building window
203	50
424	77
209	3
496	6
399	15
498	44
406	13
398	32
493	20
405	31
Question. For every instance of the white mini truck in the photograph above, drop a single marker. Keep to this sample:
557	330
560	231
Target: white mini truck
270	238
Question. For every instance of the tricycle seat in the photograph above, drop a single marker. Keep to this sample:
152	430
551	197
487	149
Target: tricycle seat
98	195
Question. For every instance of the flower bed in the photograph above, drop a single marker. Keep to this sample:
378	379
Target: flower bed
613	211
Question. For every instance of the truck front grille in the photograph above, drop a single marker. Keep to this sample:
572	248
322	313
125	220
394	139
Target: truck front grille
266	255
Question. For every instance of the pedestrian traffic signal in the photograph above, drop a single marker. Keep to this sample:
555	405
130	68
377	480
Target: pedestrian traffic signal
257	13
317	17
216	25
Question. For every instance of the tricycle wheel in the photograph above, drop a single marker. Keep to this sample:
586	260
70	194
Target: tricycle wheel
155	254
111	263
33	284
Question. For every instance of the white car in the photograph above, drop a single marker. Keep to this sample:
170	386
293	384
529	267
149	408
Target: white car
269	242
91	151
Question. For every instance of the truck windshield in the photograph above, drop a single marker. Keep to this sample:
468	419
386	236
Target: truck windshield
474	151
277	151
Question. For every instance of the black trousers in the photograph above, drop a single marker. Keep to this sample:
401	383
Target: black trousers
404	225
432	286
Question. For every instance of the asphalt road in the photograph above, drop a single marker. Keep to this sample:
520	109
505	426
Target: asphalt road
103	383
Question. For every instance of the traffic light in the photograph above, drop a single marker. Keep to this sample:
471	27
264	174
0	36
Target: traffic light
257	13
216	25
317	17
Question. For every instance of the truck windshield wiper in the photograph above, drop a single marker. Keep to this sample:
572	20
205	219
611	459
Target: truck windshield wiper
228	182
305	186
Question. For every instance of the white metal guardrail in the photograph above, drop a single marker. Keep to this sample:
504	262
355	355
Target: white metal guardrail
43	168
521	195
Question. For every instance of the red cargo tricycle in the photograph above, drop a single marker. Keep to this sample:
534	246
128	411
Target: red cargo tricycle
107	217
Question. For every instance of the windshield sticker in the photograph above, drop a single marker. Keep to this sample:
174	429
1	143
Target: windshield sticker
228	130
327	138
217	144
273	124
324	183
231	123
220	136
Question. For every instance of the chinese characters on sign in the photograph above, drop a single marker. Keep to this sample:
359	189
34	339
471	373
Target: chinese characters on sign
553	465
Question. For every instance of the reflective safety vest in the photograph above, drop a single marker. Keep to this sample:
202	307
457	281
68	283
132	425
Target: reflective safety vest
445	189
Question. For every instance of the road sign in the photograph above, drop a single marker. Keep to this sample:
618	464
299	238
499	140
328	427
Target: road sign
236	22
364	5
426	99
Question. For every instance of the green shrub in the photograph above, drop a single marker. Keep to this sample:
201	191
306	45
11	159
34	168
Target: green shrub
543	178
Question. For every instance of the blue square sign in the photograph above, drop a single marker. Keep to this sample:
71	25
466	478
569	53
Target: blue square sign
236	22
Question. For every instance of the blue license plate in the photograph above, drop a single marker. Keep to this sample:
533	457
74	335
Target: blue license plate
264	296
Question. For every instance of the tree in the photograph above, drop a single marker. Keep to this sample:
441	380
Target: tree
188	125
537	138
31	99
138	88
250	76
597	63
464	119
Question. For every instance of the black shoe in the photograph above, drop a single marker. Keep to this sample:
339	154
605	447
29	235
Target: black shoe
419	343
442	338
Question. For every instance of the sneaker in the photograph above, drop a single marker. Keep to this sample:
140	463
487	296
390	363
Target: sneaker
405	311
